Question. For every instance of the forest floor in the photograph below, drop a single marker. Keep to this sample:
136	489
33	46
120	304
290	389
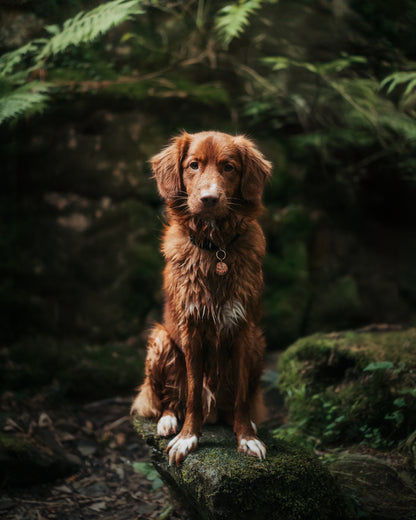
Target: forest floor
106	486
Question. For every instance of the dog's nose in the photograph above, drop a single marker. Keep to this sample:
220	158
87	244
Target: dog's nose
209	198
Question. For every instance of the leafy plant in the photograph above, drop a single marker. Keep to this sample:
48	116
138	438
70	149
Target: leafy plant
24	100
233	19
21	95
400	79
335	394
148	470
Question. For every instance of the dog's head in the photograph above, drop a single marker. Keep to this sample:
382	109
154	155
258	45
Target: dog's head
209	174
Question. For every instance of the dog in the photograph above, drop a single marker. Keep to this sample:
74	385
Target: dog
204	362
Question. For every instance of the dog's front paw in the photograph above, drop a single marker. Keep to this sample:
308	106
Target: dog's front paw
252	446
167	425
180	446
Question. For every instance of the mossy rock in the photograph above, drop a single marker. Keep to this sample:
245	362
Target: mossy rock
352	387
26	460
375	489
217	482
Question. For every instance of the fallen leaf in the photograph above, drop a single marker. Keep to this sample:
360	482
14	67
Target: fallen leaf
11	426
98	506
44	420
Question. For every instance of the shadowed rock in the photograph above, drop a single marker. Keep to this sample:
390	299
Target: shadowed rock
217	482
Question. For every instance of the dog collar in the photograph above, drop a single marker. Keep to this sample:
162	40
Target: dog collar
221	268
208	245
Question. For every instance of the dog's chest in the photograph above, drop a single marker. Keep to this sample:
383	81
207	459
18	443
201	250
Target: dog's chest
202	295
226	317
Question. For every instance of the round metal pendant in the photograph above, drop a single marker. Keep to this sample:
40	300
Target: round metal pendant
221	268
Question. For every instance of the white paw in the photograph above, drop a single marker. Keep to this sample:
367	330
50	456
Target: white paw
167	425
253	447
180	446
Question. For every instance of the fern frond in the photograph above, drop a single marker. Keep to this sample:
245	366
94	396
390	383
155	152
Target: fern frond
400	78
83	28
86	26
325	68
232	19
10	60
25	100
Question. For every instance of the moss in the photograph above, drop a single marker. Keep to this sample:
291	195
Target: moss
352	387
79	370
219	482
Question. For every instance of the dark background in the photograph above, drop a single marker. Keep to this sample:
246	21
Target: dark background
81	218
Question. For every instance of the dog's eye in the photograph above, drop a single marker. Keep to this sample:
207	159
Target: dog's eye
194	165
228	167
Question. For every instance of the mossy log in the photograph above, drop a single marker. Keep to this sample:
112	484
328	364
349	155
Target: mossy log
217	482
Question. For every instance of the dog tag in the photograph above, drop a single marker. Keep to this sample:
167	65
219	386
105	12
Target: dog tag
221	268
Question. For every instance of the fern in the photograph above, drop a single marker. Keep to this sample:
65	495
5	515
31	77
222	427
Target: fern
28	96
232	19
27	99
326	68
400	78
9	61
85	27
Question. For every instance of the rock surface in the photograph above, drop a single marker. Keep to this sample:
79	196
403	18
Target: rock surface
355	391
32	459
217	482
353	386
375	489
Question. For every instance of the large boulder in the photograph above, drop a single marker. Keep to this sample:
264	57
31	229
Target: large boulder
375	489
353	386
352	396
217	482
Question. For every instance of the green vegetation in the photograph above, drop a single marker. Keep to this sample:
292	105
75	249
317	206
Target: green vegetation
150	473
22	96
350	388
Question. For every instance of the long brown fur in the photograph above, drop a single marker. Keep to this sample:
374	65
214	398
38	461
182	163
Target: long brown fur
204	362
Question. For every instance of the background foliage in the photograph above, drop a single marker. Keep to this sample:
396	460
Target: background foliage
328	89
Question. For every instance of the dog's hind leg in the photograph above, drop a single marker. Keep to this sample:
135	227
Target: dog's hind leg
162	395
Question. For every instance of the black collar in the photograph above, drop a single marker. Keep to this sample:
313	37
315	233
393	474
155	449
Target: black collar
208	245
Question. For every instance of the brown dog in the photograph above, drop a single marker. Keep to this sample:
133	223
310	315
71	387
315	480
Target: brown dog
204	362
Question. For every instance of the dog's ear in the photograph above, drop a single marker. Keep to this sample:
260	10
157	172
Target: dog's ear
167	166
255	170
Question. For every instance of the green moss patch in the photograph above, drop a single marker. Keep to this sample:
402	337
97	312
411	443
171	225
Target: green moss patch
216	481
351	387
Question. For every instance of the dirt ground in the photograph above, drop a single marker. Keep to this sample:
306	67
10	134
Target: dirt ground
106	486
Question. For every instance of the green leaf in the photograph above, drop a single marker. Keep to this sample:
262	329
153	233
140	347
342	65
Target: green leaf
232	19
379	365
86	26
25	100
148	470
12	59
330	67
400	78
